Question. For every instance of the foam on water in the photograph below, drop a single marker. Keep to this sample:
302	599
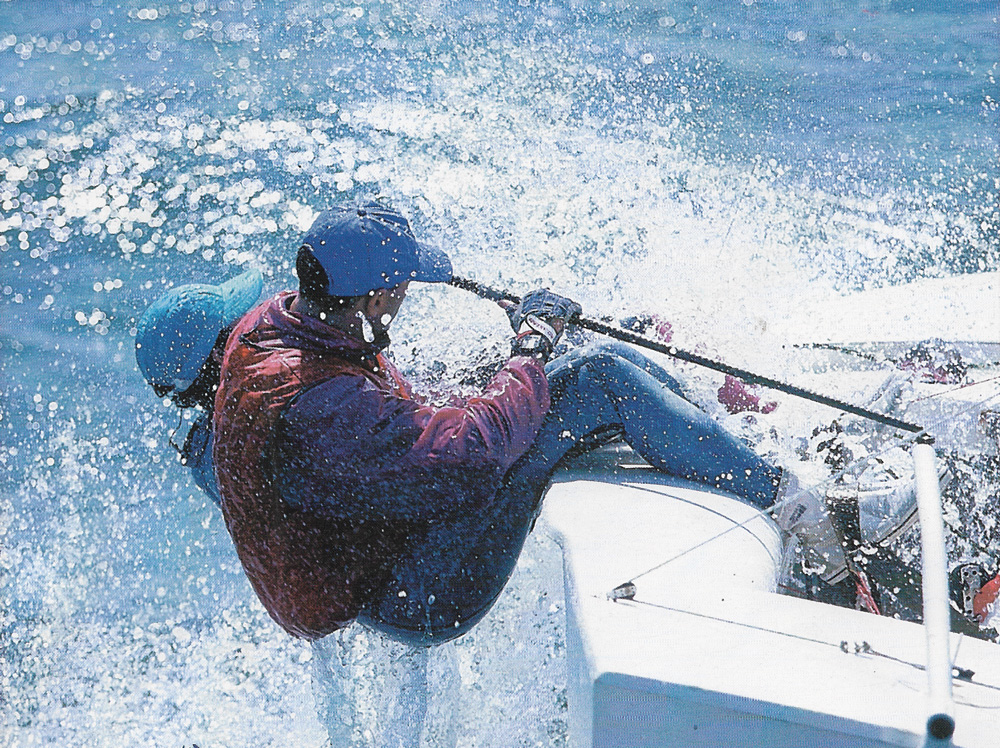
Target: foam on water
556	145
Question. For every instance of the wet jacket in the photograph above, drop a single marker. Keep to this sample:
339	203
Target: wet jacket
327	465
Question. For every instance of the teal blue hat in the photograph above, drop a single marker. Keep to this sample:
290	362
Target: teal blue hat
176	334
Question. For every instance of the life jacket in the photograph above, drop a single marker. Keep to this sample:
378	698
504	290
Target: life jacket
311	572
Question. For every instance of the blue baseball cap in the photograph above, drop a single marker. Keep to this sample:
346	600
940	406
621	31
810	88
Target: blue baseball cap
176	334
371	246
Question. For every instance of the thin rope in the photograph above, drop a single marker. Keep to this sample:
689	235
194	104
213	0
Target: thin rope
956	389
693	358
777	505
739	205
173	432
864	648
863	462
872	357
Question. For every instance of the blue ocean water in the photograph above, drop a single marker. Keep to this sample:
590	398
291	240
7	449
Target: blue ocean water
709	162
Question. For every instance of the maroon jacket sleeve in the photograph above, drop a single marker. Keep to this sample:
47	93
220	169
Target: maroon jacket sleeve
358	450
506	417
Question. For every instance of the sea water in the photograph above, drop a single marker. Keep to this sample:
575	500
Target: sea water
712	163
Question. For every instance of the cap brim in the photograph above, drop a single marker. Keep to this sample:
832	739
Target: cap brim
239	295
434	266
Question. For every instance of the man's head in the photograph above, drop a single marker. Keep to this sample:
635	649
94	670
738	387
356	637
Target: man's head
351	251
176	335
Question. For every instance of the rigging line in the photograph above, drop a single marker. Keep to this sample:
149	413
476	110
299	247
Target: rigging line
864	648
722	515
720	619
960	387
965	675
958	647
952	416
668	350
819	486
747	376
963	535
777	505
872	357
739	205
963	411
838	349
173	433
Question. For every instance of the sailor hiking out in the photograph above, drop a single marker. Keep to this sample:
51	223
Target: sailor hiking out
349	498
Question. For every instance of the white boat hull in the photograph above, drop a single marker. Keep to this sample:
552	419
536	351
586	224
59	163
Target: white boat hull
708	653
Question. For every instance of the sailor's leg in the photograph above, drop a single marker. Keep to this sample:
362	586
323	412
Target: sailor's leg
601	387
575	358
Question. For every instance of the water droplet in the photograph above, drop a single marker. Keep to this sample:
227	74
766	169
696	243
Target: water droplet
366	329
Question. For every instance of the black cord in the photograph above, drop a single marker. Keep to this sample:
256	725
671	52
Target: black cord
173	433
747	376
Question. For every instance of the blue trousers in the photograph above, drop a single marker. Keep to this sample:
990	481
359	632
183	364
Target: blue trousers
451	576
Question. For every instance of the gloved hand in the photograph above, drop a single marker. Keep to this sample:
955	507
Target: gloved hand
538	322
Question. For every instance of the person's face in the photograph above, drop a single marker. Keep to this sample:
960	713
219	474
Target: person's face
384	304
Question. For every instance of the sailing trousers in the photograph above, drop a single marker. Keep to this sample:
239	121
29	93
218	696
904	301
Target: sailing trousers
451	575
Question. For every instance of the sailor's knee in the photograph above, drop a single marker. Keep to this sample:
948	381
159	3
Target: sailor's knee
606	358
603	351
607	348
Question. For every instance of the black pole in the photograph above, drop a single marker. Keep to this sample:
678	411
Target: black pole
747	376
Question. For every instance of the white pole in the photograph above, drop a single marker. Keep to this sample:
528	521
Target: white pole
937	609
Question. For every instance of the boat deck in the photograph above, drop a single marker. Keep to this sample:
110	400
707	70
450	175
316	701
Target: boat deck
707	653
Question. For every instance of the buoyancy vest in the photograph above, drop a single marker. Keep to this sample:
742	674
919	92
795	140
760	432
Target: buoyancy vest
311	572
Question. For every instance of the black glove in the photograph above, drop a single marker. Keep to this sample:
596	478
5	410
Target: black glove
532	322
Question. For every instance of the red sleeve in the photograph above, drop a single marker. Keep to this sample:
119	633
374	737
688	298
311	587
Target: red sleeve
506	416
